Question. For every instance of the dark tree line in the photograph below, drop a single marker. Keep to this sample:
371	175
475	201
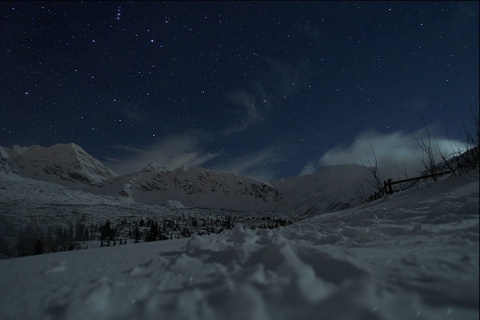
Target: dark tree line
31	239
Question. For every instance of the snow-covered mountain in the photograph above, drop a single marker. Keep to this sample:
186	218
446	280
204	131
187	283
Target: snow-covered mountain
66	164
330	189
192	187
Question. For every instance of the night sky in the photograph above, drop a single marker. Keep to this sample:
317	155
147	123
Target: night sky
262	89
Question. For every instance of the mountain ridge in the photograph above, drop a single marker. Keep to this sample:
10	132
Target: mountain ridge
330	188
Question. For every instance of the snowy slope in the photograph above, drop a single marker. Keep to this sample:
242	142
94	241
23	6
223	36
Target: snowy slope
18	189
66	164
193	187
329	189
414	255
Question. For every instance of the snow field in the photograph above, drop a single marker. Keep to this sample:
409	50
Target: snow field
414	255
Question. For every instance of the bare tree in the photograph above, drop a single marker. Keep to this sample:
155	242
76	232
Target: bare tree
428	152
473	140
360	192
468	157
374	178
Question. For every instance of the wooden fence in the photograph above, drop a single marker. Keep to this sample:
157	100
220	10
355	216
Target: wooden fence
389	189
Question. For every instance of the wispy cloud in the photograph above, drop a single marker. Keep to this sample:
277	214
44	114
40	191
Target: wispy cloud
254	165
249	108
278	82
416	103
172	152
394	152
134	114
128	111
284	79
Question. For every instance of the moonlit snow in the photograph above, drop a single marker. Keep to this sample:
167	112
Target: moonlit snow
414	255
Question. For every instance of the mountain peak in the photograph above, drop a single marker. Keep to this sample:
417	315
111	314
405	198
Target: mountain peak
65	163
154	167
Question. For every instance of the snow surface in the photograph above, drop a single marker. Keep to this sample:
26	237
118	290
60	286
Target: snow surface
414	255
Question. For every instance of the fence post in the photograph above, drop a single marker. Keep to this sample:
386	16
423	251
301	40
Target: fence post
387	185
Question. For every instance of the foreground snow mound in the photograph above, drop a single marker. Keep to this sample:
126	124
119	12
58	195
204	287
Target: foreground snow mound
414	256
